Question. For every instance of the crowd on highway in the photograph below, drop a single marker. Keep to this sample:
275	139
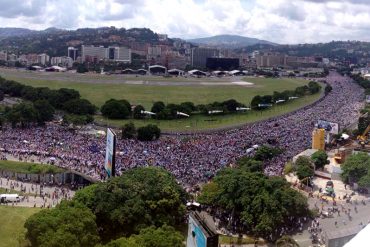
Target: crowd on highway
191	158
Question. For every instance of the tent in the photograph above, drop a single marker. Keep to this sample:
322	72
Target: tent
361	239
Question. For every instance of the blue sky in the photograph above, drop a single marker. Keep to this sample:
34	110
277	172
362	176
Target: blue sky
281	21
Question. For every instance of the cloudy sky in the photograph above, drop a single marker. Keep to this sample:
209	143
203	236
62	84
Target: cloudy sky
281	21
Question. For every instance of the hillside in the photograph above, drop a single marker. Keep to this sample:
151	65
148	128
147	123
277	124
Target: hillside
9	32
229	41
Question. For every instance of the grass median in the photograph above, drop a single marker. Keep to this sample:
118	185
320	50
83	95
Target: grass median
28	168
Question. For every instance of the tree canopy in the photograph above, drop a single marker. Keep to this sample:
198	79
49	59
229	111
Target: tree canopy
320	159
115	109
164	236
64	226
356	169
304	167
140	198
257	204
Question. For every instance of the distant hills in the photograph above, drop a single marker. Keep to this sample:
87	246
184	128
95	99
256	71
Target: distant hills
10	31
229	41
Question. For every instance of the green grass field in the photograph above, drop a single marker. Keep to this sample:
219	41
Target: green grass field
28	168
202	122
12	221
99	89
145	95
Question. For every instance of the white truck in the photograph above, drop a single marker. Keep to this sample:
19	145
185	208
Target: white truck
9	198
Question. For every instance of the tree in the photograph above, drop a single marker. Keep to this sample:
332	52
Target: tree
256	101
266	153
320	159
148	133
286	241
139	198
115	109
79	107
158	107
2	95
128	131
23	113
250	164
45	111
77	119
138	112
256	204
164	236
63	226
231	105
355	167
328	89
304	167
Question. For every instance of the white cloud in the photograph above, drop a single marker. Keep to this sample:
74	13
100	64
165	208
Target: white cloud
282	21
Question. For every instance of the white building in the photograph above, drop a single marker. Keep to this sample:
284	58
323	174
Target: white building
62	61
72	53
3	56
119	54
43	59
93	53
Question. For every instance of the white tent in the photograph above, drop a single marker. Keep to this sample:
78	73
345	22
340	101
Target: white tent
182	114
147	112
280	101
243	108
362	238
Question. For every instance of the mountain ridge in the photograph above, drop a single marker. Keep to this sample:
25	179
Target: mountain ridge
229	41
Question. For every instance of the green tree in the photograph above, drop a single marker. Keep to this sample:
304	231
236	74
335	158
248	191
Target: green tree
63	226
304	167
164	236
128	131
115	109
45	111
250	164
355	167
158	107
79	107
266	153
256	101
328	89
23	113
320	159
137	112
2	95
139	198
286	241
256	204
148	133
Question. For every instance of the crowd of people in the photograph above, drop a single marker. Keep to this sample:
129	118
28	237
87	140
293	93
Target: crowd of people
191	158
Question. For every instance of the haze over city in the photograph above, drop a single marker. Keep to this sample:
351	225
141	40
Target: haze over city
279	21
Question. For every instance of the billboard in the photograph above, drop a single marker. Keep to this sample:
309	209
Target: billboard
330	127
110	153
196	237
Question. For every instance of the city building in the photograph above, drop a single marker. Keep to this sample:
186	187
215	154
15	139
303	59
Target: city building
199	56
73	53
62	61
93	53
119	54
43	59
3	56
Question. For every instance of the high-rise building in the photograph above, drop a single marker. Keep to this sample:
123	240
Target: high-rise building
43	59
3	56
199	56
93	53
72	53
119	54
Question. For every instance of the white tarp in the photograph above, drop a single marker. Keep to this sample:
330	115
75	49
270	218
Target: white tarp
362	238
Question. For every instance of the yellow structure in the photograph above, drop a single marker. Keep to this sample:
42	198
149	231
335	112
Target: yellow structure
318	139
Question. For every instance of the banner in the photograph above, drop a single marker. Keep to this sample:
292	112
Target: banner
330	127
110	154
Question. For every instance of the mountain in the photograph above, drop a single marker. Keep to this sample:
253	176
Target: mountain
229	41
10	31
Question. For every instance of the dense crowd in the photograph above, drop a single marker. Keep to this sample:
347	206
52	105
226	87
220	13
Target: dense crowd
192	158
